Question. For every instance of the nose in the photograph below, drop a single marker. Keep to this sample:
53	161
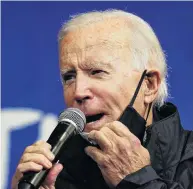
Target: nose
83	90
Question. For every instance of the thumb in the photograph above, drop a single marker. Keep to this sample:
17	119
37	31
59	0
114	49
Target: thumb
52	176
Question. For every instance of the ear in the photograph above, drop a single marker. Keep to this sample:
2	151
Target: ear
153	81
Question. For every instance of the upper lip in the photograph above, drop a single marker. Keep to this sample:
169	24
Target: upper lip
94	117
92	112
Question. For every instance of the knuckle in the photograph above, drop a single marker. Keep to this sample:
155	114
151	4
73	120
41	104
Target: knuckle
94	133
19	168
124	146
42	159
37	158
24	158
39	142
28	149
97	134
111	125
117	123
120	144
114	126
106	161
46	153
136	142
31	165
91	150
49	145
45	145
120	125
104	129
124	150
111	147
34	166
107	124
43	151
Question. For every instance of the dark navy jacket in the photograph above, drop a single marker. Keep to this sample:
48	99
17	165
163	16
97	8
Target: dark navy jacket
171	152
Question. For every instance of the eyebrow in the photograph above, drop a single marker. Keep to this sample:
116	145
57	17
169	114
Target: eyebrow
87	65
96	64
67	71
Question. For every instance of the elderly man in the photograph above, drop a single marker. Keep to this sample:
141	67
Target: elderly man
111	62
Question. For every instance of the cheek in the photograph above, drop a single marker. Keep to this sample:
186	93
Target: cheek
125	89
125	95
139	102
68	96
116	96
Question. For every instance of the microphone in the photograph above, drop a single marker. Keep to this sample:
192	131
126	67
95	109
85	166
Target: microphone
70	122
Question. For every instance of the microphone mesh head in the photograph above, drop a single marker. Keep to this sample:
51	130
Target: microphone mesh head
76	116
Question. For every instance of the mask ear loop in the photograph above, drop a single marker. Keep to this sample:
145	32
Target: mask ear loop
137	91
138	88
150	104
149	108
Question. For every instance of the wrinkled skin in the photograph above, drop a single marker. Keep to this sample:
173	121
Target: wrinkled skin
120	153
98	78
34	158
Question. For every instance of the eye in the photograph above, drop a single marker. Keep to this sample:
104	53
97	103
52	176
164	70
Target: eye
67	77
94	72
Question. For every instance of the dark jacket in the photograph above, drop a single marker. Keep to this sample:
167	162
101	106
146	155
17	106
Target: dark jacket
171	152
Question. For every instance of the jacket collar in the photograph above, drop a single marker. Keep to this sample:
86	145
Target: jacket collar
165	138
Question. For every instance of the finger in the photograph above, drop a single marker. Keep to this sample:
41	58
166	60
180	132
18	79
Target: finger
36	158
29	166
52	175
96	154
17	176
119	129
44	150
42	143
122	131
109	133
100	138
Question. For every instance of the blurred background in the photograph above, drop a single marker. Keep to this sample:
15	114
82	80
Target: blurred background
31	88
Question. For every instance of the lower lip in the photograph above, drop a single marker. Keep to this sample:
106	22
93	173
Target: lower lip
93	125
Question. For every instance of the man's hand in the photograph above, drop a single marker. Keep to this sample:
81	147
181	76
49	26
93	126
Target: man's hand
35	158
120	153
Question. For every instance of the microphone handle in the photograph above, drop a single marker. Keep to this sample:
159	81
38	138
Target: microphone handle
33	180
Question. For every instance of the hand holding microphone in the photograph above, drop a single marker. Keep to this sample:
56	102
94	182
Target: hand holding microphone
36	157
33	169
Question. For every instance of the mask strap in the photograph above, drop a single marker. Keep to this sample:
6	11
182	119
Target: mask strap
138	88
149	108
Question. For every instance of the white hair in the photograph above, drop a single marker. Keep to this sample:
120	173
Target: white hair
143	45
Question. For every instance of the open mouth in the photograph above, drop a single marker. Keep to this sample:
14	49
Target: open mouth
93	118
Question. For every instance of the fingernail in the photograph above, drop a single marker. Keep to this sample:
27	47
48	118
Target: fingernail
49	164
52	156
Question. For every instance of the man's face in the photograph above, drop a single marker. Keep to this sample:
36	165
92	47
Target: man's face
97	74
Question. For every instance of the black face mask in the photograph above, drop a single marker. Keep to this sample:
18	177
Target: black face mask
79	166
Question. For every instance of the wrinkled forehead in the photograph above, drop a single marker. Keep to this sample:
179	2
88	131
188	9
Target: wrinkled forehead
107	35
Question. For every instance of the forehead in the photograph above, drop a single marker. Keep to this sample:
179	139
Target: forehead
98	41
